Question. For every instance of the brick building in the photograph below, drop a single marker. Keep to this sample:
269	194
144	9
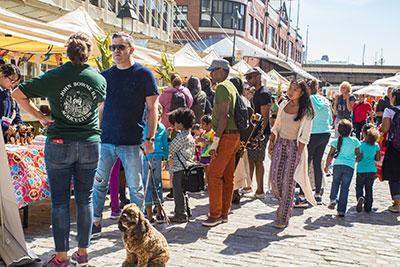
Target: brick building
264	23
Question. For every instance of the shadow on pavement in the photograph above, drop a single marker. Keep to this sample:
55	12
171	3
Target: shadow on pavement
253	239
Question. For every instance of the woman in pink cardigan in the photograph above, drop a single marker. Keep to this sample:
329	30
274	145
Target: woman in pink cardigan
166	98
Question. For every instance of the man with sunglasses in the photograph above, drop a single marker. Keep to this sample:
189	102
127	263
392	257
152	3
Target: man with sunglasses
261	103
10	76
131	91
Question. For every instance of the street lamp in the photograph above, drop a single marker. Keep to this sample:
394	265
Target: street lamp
126	11
236	16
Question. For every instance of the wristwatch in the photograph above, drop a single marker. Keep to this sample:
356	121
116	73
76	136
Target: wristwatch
150	139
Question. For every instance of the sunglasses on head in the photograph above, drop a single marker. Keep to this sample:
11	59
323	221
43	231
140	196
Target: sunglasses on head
117	46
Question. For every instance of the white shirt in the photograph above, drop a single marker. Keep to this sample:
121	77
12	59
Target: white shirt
389	113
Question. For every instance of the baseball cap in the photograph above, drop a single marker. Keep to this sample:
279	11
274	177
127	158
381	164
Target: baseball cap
255	70
218	64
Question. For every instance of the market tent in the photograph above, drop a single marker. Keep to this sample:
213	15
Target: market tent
78	21
279	79
13	249
223	48
300	71
242	66
21	34
372	90
391	81
187	63
210	57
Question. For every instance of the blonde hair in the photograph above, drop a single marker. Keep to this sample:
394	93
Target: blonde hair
347	85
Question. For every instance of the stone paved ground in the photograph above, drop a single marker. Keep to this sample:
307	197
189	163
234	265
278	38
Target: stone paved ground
315	237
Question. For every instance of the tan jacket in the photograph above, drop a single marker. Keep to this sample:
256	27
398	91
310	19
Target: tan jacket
301	172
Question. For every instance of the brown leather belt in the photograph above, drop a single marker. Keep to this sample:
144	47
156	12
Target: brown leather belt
231	132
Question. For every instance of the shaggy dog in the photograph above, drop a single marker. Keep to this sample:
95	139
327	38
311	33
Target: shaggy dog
144	245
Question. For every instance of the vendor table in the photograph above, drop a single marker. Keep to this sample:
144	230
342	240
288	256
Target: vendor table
28	173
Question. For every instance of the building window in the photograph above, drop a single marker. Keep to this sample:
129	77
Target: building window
271	36
218	13
181	16
165	15
94	2
141	10
160	13
256	33
251	30
262	32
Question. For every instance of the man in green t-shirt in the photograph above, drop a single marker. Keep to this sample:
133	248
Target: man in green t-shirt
224	147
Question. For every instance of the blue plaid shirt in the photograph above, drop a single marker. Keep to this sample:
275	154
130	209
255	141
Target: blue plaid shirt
7	108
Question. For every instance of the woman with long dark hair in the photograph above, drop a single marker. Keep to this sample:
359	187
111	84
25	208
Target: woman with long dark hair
75	92
391	162
288	150
320	134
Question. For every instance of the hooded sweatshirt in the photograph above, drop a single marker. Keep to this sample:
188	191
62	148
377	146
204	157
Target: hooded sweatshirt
323	115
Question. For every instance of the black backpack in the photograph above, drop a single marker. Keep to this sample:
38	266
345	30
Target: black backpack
394	132
242	118
178	100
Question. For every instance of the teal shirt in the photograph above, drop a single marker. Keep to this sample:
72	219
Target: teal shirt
347	155
322	122
367	163
160	142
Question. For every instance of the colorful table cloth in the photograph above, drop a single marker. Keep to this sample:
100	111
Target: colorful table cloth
28	173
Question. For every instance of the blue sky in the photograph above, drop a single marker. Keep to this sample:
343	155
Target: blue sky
339	28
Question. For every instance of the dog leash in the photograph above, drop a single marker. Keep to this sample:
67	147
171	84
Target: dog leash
150	176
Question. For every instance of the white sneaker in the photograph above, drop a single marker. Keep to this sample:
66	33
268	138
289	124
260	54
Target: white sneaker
259	196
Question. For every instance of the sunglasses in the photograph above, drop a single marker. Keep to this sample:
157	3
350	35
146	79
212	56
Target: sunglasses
12	81
117	46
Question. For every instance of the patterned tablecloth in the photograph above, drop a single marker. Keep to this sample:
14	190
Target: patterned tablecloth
28	173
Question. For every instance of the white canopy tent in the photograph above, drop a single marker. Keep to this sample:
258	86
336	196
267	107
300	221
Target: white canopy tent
210	57
372	90
187	63
393	81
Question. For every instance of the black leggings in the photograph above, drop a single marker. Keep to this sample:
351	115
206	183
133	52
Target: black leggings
316	148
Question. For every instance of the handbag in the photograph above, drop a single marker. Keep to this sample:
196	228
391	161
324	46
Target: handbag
193	177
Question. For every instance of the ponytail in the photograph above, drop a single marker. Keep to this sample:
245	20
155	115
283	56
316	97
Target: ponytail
339	147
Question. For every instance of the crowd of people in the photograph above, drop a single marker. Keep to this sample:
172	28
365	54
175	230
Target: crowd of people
103	123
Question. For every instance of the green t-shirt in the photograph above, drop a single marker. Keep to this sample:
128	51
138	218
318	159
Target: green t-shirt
225	92
74	93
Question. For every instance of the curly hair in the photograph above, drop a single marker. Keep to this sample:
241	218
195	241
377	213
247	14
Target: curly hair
371	134
79	47
184	116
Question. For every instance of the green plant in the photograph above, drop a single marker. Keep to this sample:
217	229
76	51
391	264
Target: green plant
105	60
165	69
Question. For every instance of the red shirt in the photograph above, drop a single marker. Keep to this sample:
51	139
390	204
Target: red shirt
361	110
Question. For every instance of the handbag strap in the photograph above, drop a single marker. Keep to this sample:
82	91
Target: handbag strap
183	165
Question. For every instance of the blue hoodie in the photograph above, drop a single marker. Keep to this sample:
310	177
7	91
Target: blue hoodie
323	115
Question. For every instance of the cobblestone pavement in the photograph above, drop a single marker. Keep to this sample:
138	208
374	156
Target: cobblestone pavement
315	236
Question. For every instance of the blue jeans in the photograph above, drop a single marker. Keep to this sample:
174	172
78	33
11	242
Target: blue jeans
151	195
131	159
394	189
342	176
77	161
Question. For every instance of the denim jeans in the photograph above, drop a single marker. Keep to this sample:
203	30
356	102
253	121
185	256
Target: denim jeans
342	176
152	193
365	181
131	159
394	189
64	162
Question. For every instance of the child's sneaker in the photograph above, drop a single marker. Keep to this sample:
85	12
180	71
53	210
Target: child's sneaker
54	262
170	195
160	219
300	203
332	205
79	260
360	204
340	214
318	199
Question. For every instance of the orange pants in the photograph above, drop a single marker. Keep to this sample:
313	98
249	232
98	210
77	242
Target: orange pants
220	175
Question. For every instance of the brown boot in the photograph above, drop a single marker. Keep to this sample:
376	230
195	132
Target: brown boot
395	208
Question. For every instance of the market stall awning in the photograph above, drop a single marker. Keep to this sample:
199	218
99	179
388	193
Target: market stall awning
210	57
300	71
224	47
372	90
21	34
393	81
187	63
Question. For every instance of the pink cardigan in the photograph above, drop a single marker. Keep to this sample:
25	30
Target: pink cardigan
165	101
